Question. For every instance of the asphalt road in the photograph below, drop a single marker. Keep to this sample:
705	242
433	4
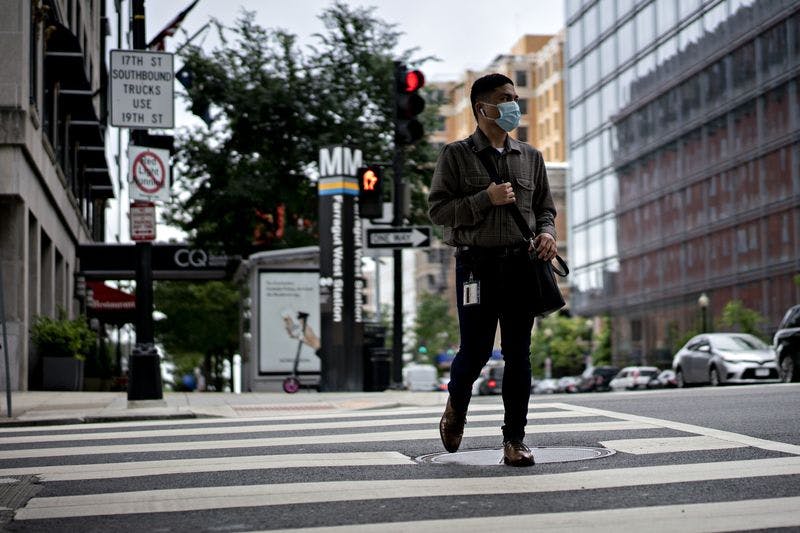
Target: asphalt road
695	459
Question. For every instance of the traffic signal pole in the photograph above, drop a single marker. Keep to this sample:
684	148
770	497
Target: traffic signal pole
407	130
397	220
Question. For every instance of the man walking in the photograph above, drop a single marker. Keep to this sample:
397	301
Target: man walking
491	256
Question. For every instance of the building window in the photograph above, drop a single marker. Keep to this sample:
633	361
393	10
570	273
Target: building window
523	106
34	59
521	78
522	134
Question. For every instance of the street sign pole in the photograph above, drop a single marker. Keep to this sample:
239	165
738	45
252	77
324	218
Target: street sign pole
144	365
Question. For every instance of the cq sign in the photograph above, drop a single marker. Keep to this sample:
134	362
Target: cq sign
186	258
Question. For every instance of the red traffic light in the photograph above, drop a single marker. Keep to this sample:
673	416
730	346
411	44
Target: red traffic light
414	81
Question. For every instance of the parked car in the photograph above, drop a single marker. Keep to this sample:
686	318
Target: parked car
665	380
568	384
633	377
786	344
721	358
490	380
419	377
597	378
545	386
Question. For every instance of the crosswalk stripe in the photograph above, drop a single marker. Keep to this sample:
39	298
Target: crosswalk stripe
404	435
201	498
686	518
669	444
230	430
690	428
208	464
370	413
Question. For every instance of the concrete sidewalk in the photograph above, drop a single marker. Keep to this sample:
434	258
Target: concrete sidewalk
42	407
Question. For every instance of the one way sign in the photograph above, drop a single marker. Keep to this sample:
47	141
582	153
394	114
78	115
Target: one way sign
404	237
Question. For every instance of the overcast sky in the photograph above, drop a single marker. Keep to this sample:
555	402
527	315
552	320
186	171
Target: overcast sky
464	34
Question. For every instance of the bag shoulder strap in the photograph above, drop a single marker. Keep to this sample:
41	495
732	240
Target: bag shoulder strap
516	214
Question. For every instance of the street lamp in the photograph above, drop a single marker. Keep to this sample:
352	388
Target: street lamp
590	329
703	301
548	362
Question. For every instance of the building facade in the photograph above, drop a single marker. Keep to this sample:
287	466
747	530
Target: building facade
54	179
684	147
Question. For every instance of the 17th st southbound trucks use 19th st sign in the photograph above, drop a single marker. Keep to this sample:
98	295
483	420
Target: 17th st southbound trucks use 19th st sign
142	89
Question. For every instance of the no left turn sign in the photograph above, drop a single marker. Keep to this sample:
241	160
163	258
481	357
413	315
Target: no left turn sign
149	173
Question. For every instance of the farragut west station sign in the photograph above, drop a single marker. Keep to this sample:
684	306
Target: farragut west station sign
341	282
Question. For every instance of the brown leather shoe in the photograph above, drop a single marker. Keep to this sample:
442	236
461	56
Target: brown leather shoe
515	453
451	427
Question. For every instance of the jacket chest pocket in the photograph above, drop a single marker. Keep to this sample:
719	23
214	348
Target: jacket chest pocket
474	182
523	190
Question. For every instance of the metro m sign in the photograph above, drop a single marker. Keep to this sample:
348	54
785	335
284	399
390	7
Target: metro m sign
337	170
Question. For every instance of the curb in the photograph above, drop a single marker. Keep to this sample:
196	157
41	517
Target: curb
98	419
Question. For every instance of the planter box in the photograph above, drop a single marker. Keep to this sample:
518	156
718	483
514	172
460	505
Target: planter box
62	373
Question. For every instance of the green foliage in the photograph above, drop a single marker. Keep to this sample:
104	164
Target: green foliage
737	317
202	321
796	280
565	340
435	327
273	108
602	344
61	337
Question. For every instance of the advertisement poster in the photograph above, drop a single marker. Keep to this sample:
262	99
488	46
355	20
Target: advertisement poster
288	321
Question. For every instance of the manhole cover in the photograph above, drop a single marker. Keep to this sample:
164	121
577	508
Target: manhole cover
495	456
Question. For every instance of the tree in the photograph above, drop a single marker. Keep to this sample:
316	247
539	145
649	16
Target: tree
736	316
563	339
247	171
435	327
202	323
247	179
602	346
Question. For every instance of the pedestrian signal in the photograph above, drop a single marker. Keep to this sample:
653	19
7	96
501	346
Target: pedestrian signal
370	191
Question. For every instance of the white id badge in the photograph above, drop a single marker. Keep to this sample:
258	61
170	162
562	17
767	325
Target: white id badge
472	292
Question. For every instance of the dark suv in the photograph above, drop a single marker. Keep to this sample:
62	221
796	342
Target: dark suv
787	345
596	379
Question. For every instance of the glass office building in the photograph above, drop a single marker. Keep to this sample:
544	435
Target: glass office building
683	135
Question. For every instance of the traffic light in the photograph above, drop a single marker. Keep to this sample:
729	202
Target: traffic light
370	187
408	104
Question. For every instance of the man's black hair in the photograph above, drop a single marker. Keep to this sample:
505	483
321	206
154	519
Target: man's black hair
484	85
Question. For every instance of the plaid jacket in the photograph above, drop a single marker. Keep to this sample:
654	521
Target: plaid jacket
458	199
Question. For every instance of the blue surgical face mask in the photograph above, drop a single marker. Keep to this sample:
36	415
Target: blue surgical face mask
509	115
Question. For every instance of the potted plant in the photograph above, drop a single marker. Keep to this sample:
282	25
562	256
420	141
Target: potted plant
62	345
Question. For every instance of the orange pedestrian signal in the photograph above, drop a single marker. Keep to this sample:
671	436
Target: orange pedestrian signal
370	180
370	193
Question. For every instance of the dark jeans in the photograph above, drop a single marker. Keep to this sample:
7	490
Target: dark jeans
503	296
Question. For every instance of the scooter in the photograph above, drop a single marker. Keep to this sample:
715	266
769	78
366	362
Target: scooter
292	384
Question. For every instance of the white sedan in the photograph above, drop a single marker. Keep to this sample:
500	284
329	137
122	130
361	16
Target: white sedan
633	377
720	358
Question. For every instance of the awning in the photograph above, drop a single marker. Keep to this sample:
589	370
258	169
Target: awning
108	304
